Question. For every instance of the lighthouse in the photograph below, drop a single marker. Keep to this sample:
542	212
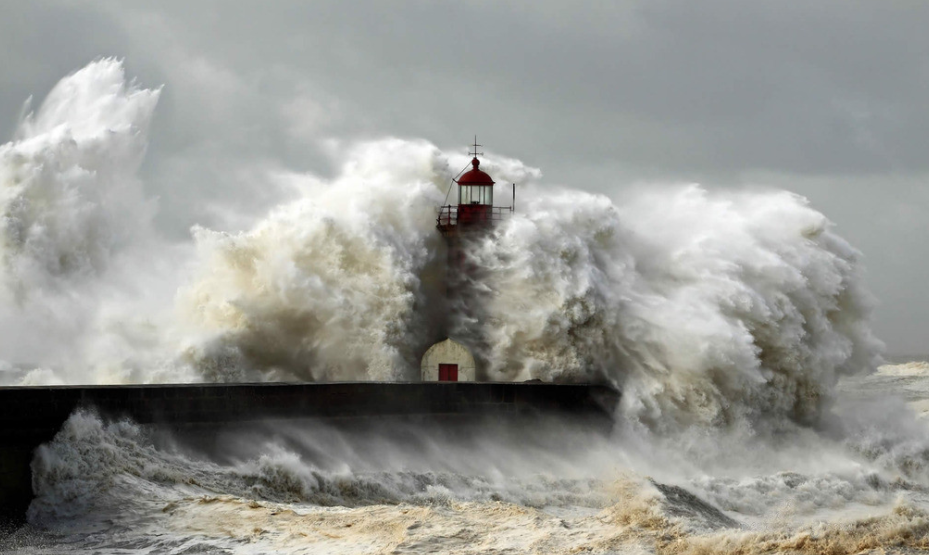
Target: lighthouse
475	213
475	208
471	218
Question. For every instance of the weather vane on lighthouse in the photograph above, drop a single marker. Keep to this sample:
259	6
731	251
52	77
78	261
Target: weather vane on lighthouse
475	145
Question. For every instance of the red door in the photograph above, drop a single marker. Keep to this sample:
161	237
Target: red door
448	372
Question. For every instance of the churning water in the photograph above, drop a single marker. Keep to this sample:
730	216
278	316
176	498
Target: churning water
752	419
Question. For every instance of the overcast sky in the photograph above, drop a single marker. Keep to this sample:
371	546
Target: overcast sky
829	99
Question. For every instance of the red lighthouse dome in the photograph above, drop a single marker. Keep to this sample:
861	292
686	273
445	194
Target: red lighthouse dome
475	176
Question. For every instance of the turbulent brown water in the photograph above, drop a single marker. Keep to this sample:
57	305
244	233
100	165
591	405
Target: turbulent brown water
753	416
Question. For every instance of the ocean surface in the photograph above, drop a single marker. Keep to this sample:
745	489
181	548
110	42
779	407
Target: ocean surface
857	483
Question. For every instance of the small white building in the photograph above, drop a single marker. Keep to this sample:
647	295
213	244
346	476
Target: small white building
448	361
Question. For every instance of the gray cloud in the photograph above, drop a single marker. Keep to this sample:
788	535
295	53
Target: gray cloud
826	99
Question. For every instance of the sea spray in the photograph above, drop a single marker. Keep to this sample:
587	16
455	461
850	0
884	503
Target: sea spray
71	206
70	198
347	282
708	308
330	286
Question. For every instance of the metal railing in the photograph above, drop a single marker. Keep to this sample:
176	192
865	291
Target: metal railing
448	215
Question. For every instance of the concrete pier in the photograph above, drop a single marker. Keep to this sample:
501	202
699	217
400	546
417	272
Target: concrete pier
30	416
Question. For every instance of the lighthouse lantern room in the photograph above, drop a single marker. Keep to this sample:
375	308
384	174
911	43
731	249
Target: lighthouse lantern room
475	210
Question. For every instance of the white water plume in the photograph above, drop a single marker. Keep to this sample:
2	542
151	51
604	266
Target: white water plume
70	196
707	308
73	215
336	285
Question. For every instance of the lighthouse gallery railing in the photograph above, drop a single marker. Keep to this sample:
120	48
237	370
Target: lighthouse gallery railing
448	215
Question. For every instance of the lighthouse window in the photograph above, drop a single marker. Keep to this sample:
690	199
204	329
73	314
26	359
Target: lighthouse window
465	194
486	195
474	194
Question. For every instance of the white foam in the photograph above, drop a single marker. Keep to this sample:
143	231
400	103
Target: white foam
71	206
104	486
917	368
705	307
